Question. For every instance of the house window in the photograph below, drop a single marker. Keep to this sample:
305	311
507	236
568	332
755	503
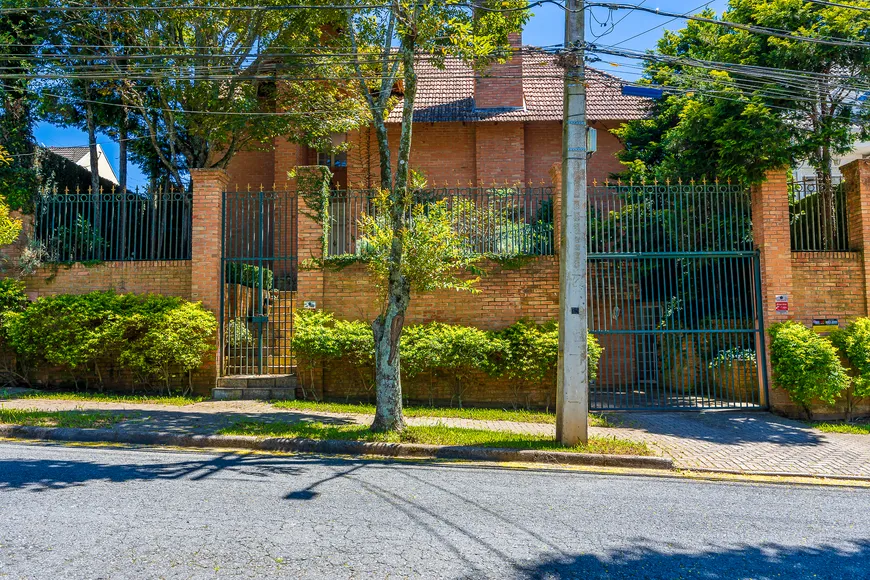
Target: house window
336	161
332	160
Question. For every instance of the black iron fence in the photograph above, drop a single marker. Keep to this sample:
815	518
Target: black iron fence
114	227
500	221
818	217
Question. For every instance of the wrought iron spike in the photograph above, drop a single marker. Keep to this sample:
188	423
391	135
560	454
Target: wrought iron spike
261	187
680	180
66	190
249	187
668	181
594	182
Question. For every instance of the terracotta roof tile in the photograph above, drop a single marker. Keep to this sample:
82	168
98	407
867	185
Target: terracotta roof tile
445	95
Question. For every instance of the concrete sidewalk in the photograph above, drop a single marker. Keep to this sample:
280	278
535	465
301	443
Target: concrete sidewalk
736	442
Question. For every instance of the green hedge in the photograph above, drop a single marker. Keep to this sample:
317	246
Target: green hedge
806	365
158	338
524	352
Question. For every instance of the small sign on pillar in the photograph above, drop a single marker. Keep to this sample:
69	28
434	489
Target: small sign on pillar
782	303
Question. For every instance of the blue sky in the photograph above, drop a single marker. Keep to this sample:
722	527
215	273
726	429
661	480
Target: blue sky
634	30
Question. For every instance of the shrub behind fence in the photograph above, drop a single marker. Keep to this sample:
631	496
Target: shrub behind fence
817	216
122	227
501	221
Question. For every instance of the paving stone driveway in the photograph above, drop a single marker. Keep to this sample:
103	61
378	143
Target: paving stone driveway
756	442
748	442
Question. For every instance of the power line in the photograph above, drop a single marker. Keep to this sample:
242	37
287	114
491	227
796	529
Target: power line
838	5
629	39
774	32
258	8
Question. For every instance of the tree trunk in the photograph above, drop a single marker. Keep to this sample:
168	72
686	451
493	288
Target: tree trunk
826	198
387	330
121	244
97	214
388	326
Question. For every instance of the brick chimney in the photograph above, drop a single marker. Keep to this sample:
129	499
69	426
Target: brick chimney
501	85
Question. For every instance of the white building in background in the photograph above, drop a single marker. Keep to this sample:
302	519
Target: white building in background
82	156
861	151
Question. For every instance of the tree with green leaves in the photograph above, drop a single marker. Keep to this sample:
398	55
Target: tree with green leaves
722	119
206	86
385	44
18	35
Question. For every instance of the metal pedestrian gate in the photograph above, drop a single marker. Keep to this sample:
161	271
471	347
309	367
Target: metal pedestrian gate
674	298
258	286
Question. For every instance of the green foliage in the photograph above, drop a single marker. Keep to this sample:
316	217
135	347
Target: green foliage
313	184
726	125
854	342
238	335
166	340
433	249
453	352
806	365
156	337
524	351
71	244
12	297
249	275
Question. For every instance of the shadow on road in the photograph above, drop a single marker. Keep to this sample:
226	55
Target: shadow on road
655	560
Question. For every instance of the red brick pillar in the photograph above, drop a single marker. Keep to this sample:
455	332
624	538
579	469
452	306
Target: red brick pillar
556	176
857	179
205	271
772	235
312	182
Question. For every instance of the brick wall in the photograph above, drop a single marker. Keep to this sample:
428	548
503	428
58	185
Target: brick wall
827	286
501	84
506	295
818	284
481	154
168	278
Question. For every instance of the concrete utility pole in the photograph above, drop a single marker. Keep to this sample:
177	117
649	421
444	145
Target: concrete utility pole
572	397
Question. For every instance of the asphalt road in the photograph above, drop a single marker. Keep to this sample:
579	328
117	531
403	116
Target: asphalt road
76	512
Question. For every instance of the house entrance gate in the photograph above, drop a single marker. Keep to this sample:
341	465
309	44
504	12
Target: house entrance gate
674	298
258	287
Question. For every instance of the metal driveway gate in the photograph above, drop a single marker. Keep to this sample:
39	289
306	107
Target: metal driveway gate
674	294
258	289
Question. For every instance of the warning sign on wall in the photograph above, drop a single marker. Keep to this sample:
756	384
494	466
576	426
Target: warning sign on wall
782	302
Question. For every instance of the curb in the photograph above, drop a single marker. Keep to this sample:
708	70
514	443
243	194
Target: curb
330	446
790	474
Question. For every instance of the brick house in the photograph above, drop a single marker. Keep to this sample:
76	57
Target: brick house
500	127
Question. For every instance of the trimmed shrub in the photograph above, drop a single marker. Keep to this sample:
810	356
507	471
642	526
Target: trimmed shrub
248	275
155	337
854	344
806	365
168	343
313	343
524	352
12	296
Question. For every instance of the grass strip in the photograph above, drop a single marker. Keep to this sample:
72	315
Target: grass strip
178	401
433	435
76	419
514	415
851	428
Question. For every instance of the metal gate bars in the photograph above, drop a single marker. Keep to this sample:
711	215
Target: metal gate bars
258	289
674	293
